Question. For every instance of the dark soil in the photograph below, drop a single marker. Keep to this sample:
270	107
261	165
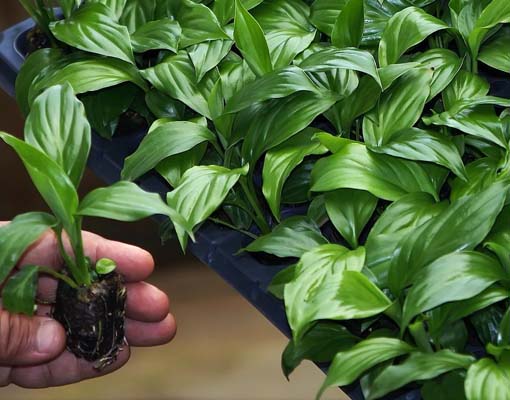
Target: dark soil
37	39
93	318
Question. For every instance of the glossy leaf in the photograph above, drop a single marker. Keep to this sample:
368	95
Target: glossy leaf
291	238
115	6
206	56
465	86
163	34
487	380
173	167
225	9
166	140
495	53
348	29
136	14
92	29
57	126
18	294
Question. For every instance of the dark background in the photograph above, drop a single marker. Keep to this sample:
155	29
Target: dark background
224	350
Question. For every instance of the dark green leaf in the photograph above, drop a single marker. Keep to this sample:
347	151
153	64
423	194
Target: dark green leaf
348	29
18	295
173	167
495	53
206	56
448	387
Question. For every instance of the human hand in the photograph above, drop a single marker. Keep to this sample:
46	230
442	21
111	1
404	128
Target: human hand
32	350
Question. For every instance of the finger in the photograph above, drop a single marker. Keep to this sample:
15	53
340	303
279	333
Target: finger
43	252
64	370
146	303
145	334
25	340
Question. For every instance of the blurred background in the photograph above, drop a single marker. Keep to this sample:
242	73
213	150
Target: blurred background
224	349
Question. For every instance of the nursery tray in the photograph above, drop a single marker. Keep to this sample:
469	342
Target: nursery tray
215	246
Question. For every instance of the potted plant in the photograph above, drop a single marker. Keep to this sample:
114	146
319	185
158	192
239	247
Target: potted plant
371	124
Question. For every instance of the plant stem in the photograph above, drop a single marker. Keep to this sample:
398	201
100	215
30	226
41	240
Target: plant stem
65	256
225	223
79	254
218	148
252	199
421	337
55	274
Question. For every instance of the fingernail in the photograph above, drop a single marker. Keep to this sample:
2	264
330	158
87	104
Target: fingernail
47	333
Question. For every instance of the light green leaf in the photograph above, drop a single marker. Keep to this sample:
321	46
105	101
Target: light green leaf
488	380
348	29
251	42
418	366
466	86
392	72
348	365
349	211
18	295
281	161
406	29
115	6
18	235
166	140
163	34
136	14
57	126
92	29
206	56
495	53
291	238
68	6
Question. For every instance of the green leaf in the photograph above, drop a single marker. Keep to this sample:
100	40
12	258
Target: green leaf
176	77
406	29
400	107
251	42
91	29
448	387
488	380
319	344
274	85
49	178
282	160
291	238
386	177
420	145
331	58
165	140
173	167
495	53
18	235
136	14
206	56
115	6
279	281
90	75
104	266
225	9
163	34
462	226
349	211
287	29
348	29
18	295
465	86
348	365
31	68
68	6
57	126
200	192
418	366
391	73
454	277
498	240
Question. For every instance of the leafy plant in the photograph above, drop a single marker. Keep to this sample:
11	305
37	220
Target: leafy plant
370	122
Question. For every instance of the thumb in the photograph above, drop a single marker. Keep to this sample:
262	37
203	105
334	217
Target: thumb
29	340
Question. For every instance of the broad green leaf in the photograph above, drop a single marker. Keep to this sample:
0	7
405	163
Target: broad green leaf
450	386
421	145
173	167
454	277
116	6
464	14
68	6
90	75
176	77
386	177
465	86
400	107
392	72
495	53
488	380
125	201
497	12
18	295
49	178
319	344
291	238
92	29
470	218
287	29
163	106
331	58
251	42
349	211
206	56
30	69
281	161
348	365
296	189
136	14
418	366
225	9
163	34
234	74
348	29
18	235
57	126
166	140
406	29
200	192
273	122
273	85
